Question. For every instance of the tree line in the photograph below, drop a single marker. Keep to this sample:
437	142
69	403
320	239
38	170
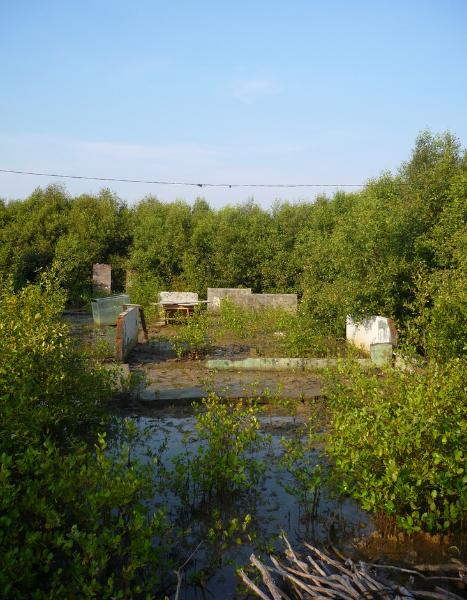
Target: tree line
396	247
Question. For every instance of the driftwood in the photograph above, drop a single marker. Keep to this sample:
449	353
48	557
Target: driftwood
320	577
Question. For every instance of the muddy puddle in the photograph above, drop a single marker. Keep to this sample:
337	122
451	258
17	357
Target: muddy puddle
338	522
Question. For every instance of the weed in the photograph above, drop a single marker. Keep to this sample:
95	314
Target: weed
273	400
228	437
299	459
191	340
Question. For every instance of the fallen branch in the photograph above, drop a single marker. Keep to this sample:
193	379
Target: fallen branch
323	578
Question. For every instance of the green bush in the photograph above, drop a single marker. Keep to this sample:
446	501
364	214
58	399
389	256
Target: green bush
290	334
78	525
74	523
45	383
299	459
398	442
223	461
190	340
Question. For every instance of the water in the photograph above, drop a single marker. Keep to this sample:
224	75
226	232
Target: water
339	522
272	509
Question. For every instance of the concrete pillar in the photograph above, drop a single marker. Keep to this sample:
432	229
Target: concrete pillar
101	278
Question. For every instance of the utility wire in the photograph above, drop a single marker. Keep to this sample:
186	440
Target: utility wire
229	185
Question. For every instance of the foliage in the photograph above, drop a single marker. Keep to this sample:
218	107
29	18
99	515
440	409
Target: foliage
273	399
77	525
303	337
299	458
223	461
74	522
358	253
77	518
190	340
285	333
44	382
237	319
223	538
398	441
74	232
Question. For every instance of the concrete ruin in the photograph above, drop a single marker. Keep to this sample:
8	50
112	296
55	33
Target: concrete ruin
278	364
215	295
126	334
258	301
374	330
381	354
101	278
177	297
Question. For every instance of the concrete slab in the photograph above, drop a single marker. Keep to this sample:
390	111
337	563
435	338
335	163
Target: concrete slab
126	333
278	364
177	297
381	354
374	330
163	389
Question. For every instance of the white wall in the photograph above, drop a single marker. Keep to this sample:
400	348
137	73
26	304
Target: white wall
215	295
374	330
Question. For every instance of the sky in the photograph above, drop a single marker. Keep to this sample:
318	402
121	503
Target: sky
224	92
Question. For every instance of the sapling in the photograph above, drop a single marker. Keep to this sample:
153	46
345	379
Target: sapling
273	399
299	459
224	458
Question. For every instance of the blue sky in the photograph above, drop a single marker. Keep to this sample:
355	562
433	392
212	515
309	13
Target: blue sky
224	92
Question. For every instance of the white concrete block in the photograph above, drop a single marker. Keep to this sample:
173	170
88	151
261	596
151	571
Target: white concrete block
177	297
374	330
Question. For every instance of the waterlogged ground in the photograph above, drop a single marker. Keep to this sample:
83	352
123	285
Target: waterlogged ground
338	522
271	508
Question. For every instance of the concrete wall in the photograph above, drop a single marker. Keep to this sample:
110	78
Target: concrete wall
177	297
101	278
278	364
255	301
126	334
375	330
215	295
381	353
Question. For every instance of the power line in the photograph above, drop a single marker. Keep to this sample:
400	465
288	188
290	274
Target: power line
229	185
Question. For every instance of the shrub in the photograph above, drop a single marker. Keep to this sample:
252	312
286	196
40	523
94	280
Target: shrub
73	523
228	438
45	383
190	339
77	524
398	442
